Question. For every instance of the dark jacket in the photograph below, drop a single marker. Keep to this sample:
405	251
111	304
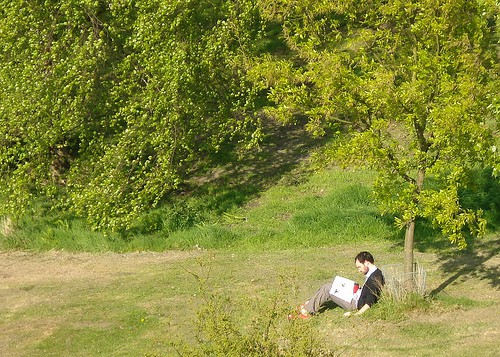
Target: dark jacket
372	289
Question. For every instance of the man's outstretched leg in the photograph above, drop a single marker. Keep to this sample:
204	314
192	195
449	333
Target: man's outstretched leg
318	300
312	306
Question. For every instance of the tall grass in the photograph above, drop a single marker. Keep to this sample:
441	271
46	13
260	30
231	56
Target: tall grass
323	208
302	209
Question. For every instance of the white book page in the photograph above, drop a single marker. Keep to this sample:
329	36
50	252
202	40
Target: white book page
342	288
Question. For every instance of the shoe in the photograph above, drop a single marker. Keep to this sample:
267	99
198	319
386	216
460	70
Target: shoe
301	314
305	316
294	316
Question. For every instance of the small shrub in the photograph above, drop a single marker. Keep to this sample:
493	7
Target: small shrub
221	332
269	334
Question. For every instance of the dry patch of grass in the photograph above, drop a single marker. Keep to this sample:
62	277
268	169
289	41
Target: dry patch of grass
57	303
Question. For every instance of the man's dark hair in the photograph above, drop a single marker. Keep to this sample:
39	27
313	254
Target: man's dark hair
362	256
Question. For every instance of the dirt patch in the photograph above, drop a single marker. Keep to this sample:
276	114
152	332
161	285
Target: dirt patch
33	287
20	272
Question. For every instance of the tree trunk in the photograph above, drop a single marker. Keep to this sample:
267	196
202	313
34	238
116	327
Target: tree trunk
408	253
410	238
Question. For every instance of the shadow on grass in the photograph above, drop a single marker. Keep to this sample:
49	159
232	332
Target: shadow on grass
283	148
233	177
475	262
483	193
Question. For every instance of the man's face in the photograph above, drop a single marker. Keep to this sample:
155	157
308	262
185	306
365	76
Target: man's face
362	267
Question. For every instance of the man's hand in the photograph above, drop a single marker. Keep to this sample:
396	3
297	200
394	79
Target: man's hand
359	312
363	309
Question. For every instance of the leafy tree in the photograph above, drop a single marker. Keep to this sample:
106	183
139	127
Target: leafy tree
415	84
181	98
53	55
106	106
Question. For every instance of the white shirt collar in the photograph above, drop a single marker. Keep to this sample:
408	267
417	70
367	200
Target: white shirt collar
370	271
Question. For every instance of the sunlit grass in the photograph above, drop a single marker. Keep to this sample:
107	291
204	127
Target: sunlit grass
329	207
141	310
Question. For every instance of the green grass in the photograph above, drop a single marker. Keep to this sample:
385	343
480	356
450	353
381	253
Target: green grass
260	255
460	302
330	207
301	209
143	304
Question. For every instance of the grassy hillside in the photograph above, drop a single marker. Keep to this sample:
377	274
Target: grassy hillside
329	207
270	197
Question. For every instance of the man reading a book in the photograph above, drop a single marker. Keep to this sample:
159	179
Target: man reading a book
346	293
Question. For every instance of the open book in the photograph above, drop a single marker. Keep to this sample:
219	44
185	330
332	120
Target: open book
343	288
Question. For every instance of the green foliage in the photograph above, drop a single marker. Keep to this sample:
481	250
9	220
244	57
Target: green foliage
412	83
53	55
482	192
108	105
